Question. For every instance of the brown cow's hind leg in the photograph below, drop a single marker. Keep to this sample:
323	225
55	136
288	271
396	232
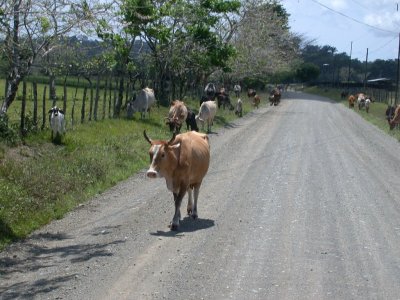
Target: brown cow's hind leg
196	196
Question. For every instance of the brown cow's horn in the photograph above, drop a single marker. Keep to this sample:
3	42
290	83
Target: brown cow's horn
146	137
172	139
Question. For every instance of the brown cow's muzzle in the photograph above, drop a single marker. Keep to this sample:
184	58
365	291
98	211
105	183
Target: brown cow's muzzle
151	174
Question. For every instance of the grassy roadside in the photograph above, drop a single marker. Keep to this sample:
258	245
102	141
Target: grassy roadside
376	114
40	182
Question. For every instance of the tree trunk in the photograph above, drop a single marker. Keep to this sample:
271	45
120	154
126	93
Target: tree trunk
12	89
15	77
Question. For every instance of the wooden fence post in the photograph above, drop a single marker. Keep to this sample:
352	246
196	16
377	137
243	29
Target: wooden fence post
65	98
23	106
35	105
44	107
83	105
104	100
109	98
115	97
96	98
91	103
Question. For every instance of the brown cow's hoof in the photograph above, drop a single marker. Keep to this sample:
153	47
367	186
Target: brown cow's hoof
194	216
174	227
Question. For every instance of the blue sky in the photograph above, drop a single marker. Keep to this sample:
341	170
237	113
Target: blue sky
372	24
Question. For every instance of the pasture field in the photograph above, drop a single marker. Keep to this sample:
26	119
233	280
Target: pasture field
40	181
376	113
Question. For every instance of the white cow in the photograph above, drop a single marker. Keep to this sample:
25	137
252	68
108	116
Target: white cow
237	89
363	101
239	107
144	100
207	112
57	123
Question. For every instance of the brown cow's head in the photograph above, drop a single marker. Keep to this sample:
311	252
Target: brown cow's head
391	124
163	157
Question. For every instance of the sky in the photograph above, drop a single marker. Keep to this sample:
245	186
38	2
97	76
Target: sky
349	25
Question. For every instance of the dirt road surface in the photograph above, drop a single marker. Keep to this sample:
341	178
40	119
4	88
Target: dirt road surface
301	201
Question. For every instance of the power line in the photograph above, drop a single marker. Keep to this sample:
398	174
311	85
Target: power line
351	18
384	45
362	5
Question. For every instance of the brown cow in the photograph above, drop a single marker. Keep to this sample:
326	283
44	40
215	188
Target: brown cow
396	118
275	97
256	101
177	115
251	93
352	100
183	161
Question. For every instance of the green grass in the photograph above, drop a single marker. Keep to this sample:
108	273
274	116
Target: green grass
376	113
40	181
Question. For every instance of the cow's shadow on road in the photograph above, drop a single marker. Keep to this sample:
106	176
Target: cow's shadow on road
187	224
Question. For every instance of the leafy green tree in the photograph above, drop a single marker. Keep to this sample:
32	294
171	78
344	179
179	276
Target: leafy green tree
307	72
383	68
29	29
181	37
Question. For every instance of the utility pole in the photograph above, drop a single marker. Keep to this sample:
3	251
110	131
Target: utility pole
348	77
365	74
397	77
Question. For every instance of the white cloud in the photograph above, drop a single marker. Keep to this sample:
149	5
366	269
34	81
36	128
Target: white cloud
385	20
338	4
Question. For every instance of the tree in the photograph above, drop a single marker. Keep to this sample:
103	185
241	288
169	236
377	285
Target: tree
307	72
30	29
263	40
181	37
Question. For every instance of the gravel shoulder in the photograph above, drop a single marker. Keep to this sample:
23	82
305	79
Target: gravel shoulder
301	201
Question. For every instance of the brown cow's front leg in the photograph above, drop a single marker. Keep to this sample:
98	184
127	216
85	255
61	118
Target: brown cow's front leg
177	216
190	201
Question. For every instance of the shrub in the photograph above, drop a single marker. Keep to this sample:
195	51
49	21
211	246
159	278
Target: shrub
7	134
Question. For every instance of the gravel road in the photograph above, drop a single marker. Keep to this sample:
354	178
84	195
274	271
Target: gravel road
301	201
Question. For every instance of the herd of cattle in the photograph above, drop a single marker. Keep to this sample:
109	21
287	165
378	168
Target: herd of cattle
210	102
178	112
184	160
364	101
